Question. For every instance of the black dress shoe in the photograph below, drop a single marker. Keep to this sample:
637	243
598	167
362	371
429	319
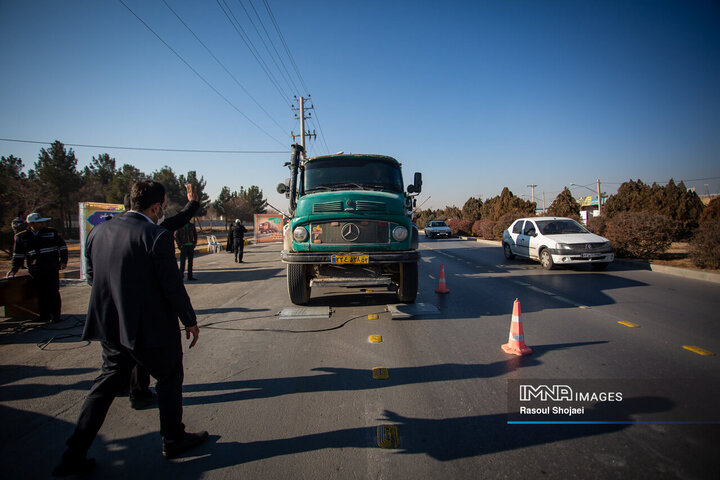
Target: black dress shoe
73	465
173	448
143	402
191	279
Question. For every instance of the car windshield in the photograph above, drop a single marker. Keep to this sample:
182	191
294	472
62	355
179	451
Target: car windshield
560	227
438	224
353	174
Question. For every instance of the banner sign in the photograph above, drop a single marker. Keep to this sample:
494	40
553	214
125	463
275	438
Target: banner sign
91	215
269	227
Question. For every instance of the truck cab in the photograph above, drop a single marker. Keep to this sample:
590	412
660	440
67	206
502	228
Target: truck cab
350	225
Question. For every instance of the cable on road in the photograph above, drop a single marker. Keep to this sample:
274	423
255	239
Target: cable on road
279	330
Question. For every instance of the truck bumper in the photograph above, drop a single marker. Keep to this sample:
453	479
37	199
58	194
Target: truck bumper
317	258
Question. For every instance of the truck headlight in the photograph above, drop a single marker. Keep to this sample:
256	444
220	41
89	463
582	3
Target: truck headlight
300	234
400	233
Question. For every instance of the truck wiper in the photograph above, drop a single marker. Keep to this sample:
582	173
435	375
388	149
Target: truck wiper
318	188
337	186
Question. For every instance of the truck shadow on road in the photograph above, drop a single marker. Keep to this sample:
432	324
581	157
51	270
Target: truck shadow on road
348	379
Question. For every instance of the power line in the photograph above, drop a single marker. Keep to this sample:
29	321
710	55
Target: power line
262	24
287	50
223	66
248	43
288	79
181	150
198	73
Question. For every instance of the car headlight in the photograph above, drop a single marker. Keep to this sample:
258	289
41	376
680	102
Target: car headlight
607	245
400	233
300	234
563	246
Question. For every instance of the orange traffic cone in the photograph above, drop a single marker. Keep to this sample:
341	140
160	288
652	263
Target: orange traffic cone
442	288
516	341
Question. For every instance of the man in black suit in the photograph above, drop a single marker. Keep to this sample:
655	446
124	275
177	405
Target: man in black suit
141	397
136	299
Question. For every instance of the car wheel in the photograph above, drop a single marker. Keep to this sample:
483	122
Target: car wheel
546	259
599	266
507	251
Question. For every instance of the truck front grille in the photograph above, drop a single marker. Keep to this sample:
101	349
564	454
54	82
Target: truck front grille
353	232
328	207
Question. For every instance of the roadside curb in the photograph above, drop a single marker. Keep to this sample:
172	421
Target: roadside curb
653	267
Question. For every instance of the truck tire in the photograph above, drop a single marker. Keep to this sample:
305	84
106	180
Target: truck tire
407	283
298	283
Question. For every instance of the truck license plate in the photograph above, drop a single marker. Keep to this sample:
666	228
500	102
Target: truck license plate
350	259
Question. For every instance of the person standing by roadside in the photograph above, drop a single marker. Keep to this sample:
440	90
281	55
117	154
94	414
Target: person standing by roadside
45	253
19	224
186	239
238	233
136	299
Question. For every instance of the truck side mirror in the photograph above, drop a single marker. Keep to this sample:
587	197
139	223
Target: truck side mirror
416	187
282	188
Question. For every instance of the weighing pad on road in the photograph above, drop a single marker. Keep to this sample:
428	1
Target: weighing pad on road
407	310
305	312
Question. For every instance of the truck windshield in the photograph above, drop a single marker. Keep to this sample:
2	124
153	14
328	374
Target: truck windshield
352	173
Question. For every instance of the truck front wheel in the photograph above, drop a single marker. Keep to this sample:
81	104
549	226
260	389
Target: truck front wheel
407	282
298	283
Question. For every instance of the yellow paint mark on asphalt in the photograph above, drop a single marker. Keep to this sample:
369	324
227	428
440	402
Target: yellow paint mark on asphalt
373	316
628	324
698	350
380	373
368	290
388	436
375	338
584	307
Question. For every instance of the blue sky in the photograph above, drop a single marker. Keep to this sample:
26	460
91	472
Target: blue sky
477	95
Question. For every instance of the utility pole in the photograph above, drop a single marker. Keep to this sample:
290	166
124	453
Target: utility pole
599	197
302	117
532	189
544	202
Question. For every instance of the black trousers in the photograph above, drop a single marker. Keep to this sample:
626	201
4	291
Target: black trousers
139	383
47	285
238	247
163	363
187	252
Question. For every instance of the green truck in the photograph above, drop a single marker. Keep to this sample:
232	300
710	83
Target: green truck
351	225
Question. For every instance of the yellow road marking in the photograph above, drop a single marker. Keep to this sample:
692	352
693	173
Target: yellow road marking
380	373
584	307
375	338
628	324
388	436
698	350
373	316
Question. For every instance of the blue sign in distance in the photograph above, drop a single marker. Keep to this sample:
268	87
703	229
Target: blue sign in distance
100	216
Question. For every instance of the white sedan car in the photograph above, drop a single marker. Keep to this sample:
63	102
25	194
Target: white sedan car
556	241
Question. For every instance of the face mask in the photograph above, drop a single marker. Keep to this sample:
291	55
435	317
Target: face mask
161	217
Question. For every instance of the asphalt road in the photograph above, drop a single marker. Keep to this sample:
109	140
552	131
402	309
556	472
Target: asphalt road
293	397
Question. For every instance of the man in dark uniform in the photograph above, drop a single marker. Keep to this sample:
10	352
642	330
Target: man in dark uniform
45	253
238	233
186	239
136	299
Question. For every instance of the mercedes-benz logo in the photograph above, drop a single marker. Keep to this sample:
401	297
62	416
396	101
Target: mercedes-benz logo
350	232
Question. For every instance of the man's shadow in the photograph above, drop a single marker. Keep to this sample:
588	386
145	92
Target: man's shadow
349	379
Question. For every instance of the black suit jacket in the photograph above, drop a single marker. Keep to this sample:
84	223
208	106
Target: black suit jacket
137	290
